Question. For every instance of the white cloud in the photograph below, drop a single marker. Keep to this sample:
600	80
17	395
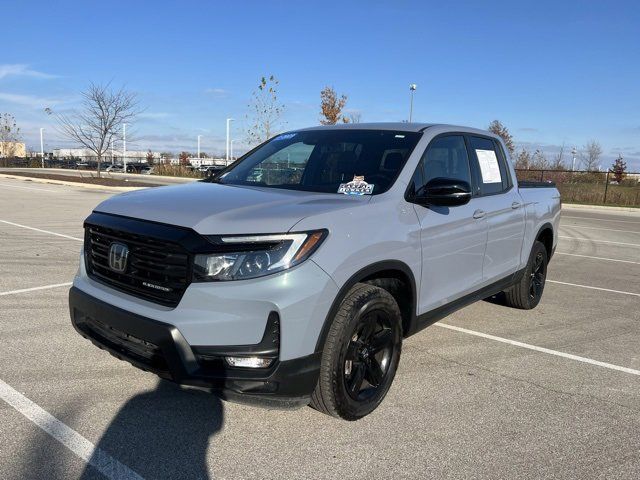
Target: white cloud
153	115
20	69
218	92
30	101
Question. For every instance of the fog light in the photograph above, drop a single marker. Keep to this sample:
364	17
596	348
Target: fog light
249	362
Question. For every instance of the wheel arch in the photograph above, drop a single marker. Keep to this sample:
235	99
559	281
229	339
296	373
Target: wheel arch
389	275
546	236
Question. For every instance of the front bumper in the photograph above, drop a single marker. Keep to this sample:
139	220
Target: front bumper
160	348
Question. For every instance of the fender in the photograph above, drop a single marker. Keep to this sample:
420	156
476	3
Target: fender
360	275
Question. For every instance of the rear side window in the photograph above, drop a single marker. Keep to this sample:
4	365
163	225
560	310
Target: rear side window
491	172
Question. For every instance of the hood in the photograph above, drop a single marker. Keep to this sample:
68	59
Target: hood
210	208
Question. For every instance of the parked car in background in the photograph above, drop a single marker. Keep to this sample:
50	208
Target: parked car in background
293	277
115	168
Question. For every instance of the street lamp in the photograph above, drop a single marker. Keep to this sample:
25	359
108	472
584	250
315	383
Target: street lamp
42	147
574	152
199	145
124	146
412	88
231	150
229	120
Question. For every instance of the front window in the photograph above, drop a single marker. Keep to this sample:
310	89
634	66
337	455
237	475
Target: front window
326	161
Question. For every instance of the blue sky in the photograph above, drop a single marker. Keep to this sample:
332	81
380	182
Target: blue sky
553	72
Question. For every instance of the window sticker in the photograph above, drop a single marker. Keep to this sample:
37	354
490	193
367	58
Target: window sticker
357	186
489	167
284	136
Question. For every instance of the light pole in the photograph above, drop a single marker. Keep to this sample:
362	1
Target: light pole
574	152
124	146
42	146
412	88
229	120
231	150
199	146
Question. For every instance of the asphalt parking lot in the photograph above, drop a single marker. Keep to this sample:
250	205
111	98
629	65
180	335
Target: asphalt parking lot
488	392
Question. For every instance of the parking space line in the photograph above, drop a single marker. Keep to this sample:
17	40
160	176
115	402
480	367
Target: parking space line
600	228
30	188
515	343
597	258
33	289
578	239
594	288
83	448
42	231
601	219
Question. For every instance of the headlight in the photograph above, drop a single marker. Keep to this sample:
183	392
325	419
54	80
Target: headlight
242	257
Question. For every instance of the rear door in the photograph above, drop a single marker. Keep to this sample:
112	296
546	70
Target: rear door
500	203
453	240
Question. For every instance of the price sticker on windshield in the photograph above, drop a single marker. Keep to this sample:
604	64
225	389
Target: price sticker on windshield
357	186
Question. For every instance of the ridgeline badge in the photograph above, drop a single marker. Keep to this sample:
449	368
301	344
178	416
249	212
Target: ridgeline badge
357	186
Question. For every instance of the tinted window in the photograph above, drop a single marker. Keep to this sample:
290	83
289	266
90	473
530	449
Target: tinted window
321	160
491	172
445	157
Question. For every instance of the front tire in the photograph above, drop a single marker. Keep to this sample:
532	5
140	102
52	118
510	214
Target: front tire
526	294
360	355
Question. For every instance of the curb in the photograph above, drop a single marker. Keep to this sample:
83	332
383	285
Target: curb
600	208
72	184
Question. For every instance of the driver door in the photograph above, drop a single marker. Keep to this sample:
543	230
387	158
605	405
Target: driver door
453	239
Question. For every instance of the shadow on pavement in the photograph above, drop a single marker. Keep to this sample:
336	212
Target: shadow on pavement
163	433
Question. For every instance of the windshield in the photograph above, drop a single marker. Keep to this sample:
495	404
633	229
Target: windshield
357	162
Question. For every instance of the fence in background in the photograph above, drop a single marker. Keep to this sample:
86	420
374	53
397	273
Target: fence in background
596	188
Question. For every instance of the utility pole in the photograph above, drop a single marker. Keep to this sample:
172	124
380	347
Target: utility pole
124	146
229	120
42	146
412	88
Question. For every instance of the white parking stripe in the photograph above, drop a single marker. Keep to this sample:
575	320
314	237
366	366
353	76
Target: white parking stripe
601	219
30	188
33	289
594	288
597	258
578	239
541	349
599	228
83	448
42	231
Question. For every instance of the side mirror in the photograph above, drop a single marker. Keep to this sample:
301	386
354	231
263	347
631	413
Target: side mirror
445	192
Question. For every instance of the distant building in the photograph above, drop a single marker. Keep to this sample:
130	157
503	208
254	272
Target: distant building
202	162
109	156
12	149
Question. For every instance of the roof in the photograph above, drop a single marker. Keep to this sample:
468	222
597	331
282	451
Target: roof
395	126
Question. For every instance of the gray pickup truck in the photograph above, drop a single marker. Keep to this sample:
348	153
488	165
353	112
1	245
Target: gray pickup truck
293	276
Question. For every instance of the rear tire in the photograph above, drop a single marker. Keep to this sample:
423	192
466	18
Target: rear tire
360	355
526	294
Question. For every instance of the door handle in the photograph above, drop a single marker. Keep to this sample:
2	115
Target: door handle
479	214
515	205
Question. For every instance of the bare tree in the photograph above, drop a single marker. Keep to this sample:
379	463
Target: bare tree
499	129
331	106
523	160
539	160
591	156
100	118
354	117
266	110
9	135
558	161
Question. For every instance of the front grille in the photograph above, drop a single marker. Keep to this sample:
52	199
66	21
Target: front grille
156	270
